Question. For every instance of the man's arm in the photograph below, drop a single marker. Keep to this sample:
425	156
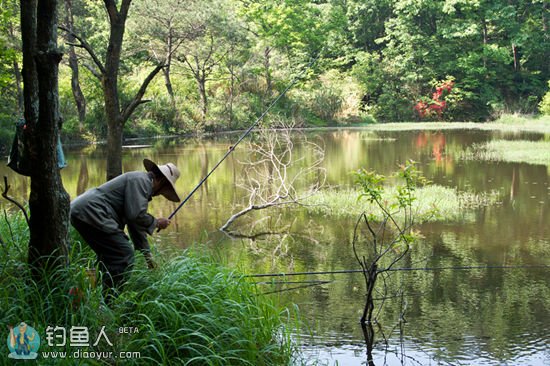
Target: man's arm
136	201
139	239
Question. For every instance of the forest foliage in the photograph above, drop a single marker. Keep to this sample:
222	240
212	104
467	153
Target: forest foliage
225	60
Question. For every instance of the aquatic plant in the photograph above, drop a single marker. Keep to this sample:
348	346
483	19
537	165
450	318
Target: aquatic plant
514	151
449	203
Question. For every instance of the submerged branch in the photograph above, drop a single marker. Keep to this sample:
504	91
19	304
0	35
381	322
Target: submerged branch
253	208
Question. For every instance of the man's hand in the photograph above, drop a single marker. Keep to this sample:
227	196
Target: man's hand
162	223
151	263
149	259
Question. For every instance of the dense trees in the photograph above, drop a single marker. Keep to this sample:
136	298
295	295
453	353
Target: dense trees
224	60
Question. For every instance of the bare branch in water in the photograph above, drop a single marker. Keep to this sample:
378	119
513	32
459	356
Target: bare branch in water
274	174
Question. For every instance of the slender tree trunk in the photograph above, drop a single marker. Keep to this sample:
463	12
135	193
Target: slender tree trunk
79	98
267	67
48	201
200	76
204	98
231	86
368	334
18	81
115	123
168	84
17	72
167	69
485	38
114	126
515	53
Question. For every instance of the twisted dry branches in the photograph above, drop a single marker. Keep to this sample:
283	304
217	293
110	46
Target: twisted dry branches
276	174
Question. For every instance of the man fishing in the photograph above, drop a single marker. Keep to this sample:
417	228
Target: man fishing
100	215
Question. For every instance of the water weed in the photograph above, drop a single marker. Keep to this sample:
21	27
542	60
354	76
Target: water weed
433	203
530	152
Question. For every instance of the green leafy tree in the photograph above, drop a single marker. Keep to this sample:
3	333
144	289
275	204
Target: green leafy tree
76	89
204	54
117	111
297	28
165	29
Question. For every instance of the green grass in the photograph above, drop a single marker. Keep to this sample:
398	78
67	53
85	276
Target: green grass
520	151
189	311
506	123
433	203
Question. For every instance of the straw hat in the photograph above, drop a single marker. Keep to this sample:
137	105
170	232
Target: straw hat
171	173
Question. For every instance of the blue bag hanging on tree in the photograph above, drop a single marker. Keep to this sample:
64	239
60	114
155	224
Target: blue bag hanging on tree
19	156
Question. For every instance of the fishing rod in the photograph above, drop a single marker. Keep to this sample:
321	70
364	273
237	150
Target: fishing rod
246	133
344	271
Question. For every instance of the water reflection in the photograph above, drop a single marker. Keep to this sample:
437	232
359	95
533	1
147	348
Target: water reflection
472	317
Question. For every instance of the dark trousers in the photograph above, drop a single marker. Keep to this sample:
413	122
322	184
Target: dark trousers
115	255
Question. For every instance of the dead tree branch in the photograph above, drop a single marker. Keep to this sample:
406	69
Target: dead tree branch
275	175
19	205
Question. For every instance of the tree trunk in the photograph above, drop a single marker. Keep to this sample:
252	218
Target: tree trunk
485	34
168	84
114	149
73	64
48	201
368	334
20	98
204	99
200	77
231	87
16	71
115	115
515	53
267	67
114	126
167	70
115	123
108	74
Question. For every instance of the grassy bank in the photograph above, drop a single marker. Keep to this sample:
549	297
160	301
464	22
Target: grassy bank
189	311
506	123
530	152
433	203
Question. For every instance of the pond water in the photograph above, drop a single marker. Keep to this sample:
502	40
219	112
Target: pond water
476	316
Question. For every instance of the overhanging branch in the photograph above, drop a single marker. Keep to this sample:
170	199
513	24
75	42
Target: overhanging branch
127	112
86	46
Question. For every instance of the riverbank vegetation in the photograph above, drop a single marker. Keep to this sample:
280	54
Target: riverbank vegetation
530	152
505	123
189	310
224	60
433	203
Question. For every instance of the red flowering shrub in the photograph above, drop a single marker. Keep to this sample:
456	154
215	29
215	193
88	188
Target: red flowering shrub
437	104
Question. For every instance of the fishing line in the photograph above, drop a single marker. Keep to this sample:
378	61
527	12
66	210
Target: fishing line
246	133
291	288
344	271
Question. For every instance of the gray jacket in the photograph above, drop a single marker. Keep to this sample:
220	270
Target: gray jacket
119	202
